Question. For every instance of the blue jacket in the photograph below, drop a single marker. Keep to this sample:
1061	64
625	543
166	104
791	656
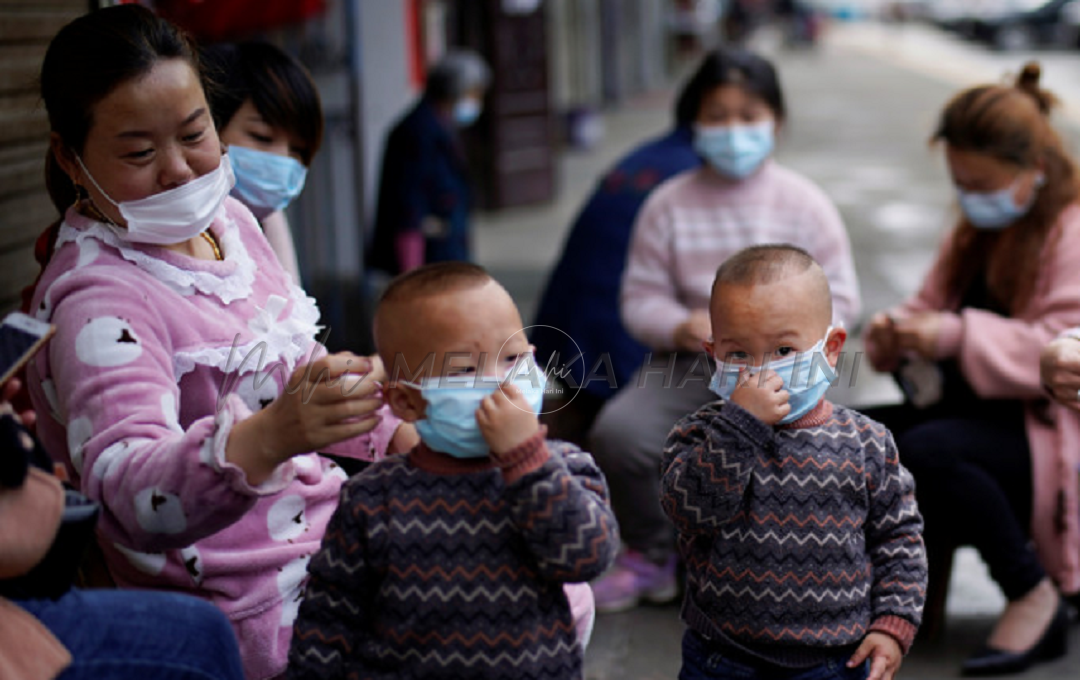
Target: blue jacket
578	321
423	176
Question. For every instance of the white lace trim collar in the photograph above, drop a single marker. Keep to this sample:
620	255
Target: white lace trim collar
227	287
287	339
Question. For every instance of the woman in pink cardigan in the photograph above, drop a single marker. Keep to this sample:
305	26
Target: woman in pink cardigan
994	460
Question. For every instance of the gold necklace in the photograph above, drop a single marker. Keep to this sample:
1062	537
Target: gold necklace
213	244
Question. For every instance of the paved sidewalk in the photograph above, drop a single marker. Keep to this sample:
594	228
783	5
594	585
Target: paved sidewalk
862	109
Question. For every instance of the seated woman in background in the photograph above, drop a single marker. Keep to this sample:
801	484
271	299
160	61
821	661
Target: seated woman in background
267	110
990	454
689	225
578	325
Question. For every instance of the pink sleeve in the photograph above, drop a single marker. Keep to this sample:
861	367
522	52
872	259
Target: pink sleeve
930	296
373	445
649	300
161	487
1000	356
409	248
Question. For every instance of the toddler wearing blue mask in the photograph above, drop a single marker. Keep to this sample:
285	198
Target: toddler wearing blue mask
773	477
479	542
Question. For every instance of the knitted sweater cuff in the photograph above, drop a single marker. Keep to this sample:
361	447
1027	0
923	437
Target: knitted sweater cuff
752	428
901	630
525	457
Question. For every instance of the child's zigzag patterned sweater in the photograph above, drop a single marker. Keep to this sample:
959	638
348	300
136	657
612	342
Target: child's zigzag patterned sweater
798	540
436	567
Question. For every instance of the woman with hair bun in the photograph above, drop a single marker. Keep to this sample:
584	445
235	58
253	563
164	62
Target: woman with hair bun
993	458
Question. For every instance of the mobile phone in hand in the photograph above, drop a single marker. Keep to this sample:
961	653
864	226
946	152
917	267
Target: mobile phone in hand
21	336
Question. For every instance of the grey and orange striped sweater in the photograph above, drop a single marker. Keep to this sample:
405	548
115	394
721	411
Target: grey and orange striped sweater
798	540
438	567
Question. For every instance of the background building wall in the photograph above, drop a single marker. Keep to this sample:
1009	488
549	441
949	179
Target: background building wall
26	27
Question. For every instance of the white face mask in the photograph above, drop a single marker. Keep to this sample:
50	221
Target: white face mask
175	215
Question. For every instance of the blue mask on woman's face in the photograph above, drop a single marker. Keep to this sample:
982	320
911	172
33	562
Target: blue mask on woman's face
735	151
996	209
466	111
807	376
265	182
449	423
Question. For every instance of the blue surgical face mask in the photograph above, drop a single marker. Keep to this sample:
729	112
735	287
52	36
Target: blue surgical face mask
996	209
265	182
466	111
735	151
807	376
449	422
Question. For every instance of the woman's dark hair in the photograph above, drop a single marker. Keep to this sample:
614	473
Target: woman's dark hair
730	66
87	60
276	83
1010	124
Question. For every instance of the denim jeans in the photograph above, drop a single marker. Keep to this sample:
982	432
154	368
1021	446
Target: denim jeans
701	663
138	634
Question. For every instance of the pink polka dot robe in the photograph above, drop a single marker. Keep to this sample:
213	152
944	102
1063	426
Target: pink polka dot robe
157	355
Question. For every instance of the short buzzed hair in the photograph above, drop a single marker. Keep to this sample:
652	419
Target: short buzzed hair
768	263
438	277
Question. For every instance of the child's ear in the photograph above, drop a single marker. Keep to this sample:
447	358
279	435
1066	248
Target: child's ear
710	347
405	402
834	344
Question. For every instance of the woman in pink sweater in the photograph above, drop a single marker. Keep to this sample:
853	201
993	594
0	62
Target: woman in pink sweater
687	227
994	460
184	390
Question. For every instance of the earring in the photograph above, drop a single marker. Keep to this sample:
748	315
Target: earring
80	194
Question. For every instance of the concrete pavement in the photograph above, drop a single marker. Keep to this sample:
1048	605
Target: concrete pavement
862	108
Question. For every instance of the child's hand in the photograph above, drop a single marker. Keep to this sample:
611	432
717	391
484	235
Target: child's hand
885	655
506	419
762	395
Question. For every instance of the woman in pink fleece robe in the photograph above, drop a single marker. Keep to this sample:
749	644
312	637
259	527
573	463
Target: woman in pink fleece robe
993	458
164	389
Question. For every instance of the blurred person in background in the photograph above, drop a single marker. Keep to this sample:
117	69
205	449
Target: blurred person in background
267	110
686	228
578	325
993	458
424	200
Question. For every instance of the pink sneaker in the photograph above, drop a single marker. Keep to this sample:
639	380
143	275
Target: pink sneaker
632	579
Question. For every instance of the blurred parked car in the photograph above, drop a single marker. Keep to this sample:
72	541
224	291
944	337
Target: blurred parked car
953	15
1023	24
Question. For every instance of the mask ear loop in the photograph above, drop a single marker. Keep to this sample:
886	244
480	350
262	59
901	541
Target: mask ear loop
96	212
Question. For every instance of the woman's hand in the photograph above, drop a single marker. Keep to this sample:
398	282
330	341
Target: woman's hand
28	417
690	334
919	333
1059	364
324	403
882	348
